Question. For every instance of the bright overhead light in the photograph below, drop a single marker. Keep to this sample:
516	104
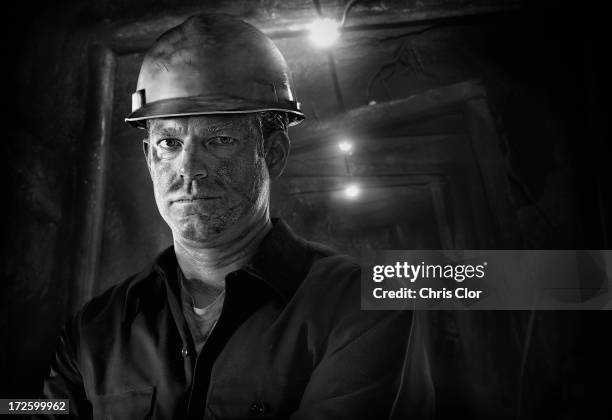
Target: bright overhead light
352	191
324	32
345	146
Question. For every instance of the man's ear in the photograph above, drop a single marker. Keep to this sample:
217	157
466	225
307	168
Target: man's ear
276	152
145	149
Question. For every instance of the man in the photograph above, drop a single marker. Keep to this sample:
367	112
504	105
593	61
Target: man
240	317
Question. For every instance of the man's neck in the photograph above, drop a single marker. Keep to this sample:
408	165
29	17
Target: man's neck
205	267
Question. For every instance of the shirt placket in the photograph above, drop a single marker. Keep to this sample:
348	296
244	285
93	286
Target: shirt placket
187	348
243	296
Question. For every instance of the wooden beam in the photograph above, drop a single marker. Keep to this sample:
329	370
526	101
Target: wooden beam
92	173
487	147
385	114
292	18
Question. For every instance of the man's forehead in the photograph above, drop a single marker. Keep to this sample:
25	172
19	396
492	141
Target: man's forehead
199	123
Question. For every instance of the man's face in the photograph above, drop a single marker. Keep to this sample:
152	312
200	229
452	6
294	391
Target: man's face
209	174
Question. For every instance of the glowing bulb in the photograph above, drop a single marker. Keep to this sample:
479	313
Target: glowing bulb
345	146
352	191
324	32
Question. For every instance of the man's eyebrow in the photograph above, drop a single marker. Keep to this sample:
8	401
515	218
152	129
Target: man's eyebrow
167	131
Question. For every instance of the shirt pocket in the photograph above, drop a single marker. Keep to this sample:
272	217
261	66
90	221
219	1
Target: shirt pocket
134	404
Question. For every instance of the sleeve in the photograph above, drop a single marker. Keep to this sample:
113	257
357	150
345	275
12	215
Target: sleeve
64	380
371	369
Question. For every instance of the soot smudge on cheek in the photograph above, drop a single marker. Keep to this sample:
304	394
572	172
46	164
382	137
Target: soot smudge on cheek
240	176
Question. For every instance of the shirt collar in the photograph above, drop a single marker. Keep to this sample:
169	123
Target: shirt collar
282	260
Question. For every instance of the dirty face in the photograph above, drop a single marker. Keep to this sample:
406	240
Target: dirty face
209	173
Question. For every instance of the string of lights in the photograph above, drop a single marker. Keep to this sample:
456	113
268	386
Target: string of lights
324	32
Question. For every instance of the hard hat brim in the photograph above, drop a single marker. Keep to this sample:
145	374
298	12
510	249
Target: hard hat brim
191	106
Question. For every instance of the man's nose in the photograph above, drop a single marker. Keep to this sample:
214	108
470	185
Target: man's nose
192	164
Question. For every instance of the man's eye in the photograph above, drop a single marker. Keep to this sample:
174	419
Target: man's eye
222	141
169	143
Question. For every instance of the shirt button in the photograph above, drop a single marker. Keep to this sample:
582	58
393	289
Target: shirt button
257	408
184	351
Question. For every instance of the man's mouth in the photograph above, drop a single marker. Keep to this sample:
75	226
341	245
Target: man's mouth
187	200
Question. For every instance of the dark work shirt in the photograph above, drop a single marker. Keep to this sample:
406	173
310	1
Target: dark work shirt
291	342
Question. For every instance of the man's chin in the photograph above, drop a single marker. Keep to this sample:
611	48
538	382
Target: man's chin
205	227
201	228
200	231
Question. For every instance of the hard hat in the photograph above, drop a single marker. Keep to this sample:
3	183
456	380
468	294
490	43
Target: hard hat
212	64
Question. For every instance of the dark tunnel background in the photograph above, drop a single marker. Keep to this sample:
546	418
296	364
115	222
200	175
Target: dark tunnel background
477	125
